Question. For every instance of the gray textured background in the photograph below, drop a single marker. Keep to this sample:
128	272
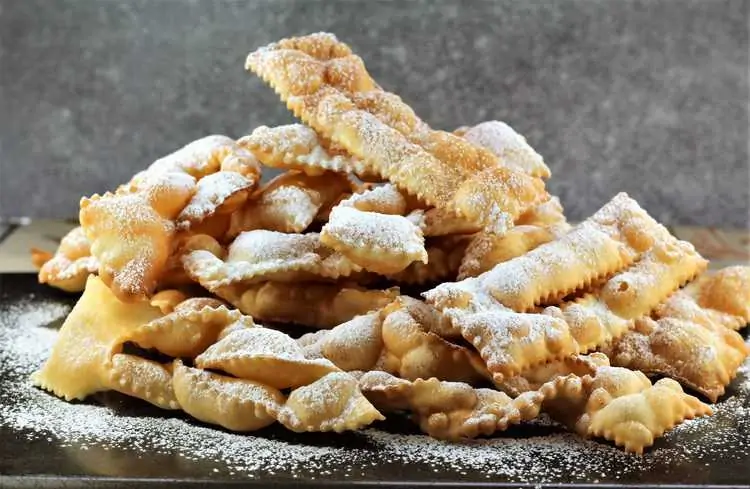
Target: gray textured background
650	97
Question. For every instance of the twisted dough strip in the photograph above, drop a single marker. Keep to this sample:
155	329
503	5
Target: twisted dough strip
608	241
298	147
449	410
71	264
328	87
307	304
620	405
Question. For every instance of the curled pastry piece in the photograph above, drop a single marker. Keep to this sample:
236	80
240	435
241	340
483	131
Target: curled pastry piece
379	243
307	304
193	326
264	355
610	240
219	193
290	202
131	232
449	410
598	318
205	156
354	345
71	264
510	146
411	351
260	255
340	101
620	405
80	362
544	214
235	404
702	357
444	257
331	403
510	342
298	147
721	297
144	379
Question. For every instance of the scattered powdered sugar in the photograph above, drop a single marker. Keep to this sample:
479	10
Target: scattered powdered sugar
538	453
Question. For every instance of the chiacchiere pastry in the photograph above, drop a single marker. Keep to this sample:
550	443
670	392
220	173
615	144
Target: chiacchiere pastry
199	268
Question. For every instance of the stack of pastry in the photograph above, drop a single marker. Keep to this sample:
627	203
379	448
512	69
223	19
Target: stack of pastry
437	276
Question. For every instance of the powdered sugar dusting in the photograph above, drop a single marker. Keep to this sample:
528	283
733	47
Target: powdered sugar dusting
84	431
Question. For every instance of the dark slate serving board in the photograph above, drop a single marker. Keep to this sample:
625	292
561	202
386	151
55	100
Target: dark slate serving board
49	461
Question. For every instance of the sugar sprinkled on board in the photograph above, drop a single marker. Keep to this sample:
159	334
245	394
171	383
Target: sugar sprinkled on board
25	342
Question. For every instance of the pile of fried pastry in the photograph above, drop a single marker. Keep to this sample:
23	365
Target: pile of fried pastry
436	275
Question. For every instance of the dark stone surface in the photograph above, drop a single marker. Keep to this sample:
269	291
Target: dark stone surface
650	97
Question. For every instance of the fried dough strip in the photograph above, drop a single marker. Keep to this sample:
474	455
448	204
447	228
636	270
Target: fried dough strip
144	379
131	232
203	157
444	255
356	344
328	87
290	202
511	147
703	357
603	316
608	241
264	355
314	408
449	410
298	147
219	193
412	352
533	379
235	404
394	339
81	358
381	243
308	304
620	405
538	225
257	256
71	264
721	297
